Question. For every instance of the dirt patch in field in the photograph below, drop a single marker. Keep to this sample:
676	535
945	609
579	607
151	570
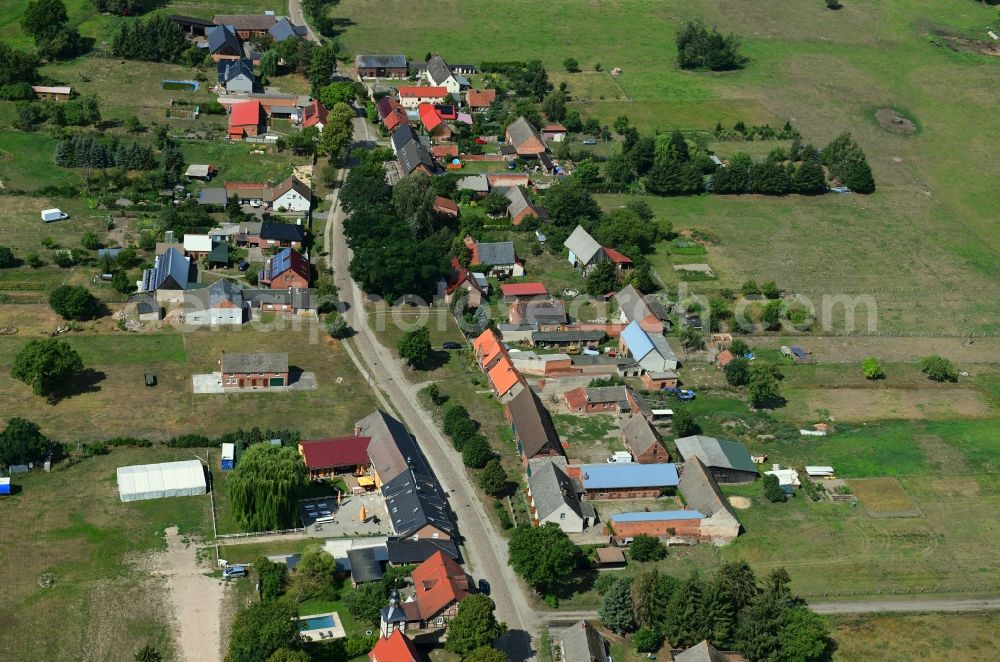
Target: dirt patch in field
196	598
850	404
740	503
890	120
884	497
840	349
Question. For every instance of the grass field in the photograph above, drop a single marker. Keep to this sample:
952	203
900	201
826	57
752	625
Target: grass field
931	637
118	404
883	496
846	64
70	523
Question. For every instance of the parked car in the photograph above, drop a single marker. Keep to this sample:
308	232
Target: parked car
590	141
484	587
451	345
243	265
255	203
234	571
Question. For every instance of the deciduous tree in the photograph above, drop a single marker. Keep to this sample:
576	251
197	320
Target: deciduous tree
22	442
494	479
939	368
262	628
415	346
265	486
475	625
543	555
46	365
646	548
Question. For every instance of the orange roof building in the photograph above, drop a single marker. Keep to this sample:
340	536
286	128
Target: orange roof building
397	647
480	99
504	379
433	122
724	358
488	349
440	585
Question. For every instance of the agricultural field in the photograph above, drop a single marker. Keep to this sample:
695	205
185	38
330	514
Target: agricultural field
113	401
931	637
72	548
927	276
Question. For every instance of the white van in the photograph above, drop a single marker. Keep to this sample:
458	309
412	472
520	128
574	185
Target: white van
49	215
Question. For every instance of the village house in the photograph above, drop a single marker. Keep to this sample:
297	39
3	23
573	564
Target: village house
285	269
534	432
461	280
440	584
298	301
652	353
554	133
706	652
397	647
284	29
444	151
391	114
171	274
520	207
381	66
628	480
497	258
313	114
505	381
633	306
411	97
676	524
246	119
552	497
584	251
729	461
602	400
480	100
52	93
223	43
488	348
219	304
438	73
513	292
525	139
197	245
410	151
724	358
445	207
291	195
247	25
325	458
272	234
581	643
236	76
247	193
261	370
546	314
642	441
416	504
434	124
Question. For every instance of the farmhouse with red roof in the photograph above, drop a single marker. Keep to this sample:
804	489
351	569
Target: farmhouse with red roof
339	455
246	119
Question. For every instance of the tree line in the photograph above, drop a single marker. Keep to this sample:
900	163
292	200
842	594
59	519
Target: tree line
734	610
82	151
83	111
154	39
699	47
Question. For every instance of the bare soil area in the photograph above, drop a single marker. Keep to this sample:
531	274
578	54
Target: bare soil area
740	503
914	404
890	120
196	599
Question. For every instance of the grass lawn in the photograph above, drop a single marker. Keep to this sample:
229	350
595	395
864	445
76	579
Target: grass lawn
239	551
904	637
117	404
235	162
70	523
590	438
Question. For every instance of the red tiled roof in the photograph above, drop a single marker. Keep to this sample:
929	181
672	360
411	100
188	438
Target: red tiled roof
444	150
429	117
315	113
297	263
458	275
554	128
616	257
245	113
508	180
397	647
445	205
524	289
394	119
439	582
480	98
244	186
423	92
335	452
576	398
724	358
504	376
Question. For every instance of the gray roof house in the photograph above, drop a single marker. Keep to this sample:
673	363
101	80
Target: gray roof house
236	76
582	643
171	271
497	253
257	362
584	251
439	73
212	196
477	183
284	29
220	303
414	155
650	350
554	498
729	461
222	40
642	442
701	493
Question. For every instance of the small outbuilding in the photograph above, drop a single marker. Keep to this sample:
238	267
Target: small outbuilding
157	481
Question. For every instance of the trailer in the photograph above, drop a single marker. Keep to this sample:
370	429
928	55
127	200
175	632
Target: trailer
228	457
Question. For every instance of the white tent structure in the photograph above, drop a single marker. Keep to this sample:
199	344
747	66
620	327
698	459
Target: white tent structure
156	481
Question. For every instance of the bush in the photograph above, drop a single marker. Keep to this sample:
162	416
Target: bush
700	48
6	257
646	548
503	515
74	302
939	368
772	489
749	288
647	640
684	423
872	368
771	290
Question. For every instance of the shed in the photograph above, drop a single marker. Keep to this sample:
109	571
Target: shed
610	557
156	481
364	566
228	460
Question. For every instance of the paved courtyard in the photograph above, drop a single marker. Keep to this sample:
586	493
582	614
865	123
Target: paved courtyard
346	516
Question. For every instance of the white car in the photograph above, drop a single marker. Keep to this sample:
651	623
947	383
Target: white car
255	203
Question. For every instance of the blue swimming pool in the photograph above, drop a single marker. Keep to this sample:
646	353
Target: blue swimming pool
316	623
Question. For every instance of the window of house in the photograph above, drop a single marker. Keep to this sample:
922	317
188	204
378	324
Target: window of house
562	515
